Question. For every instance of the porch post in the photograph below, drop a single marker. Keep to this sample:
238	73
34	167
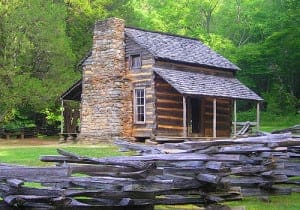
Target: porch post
62	117
257	115
215	118
184	116
234	117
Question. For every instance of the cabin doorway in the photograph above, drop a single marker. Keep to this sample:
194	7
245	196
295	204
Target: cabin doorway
194	117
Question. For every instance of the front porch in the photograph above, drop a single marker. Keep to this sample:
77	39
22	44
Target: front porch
206	105
70	113
203	118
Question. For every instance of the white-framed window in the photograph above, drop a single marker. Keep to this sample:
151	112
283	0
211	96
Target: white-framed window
139	105
135	61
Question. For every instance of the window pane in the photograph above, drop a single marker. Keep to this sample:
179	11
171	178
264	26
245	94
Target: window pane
142	95
140	105
141	117
135	61
141	110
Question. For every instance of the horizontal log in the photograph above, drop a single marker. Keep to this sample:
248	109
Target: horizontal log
170	122
170	127
32	191
169	105
34	171
5	206
277	138
216	166
19	200
171	102
248	170
142	148
168	96
170	118
15	182
131	160
209	178
106	161
261	192
245	181
180	164
192	172
165	89
167	109
169	112
108	194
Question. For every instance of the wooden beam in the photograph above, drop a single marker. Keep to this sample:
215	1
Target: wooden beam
184	116
257	115
62	117
234	118
214	118
171	127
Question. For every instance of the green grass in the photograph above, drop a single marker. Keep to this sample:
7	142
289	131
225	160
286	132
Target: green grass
177	207
270	122
283	202
30	155
276	122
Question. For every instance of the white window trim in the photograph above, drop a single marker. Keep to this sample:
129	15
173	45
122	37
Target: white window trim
135	112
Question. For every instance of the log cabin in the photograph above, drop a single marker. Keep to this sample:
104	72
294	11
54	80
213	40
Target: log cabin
140	84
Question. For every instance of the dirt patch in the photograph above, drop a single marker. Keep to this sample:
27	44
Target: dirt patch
29	142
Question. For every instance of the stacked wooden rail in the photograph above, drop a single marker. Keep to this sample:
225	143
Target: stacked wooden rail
185	173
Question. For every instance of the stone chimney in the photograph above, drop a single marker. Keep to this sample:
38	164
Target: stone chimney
102	106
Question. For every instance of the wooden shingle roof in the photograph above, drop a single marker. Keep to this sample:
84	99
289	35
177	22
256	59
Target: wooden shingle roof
178	49
194	83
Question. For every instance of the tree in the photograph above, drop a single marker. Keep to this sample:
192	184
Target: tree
36	55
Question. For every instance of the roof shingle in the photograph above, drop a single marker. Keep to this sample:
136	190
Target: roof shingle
177	48
194	83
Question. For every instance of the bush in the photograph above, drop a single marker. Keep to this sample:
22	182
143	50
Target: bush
280	101
18	121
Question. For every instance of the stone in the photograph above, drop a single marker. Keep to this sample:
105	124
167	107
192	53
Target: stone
105	106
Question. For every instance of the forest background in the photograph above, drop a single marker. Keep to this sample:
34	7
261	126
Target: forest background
42	41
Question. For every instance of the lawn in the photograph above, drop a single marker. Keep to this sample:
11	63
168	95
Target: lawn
27	152
270	122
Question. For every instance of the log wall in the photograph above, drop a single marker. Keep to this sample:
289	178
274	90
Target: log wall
224	112
224	106
169	109
177	66
143	78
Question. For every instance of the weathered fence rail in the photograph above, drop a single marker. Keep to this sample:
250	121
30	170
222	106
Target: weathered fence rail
184	173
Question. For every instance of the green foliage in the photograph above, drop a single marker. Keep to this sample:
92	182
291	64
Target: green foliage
280	101
245	116
52	117
18	120
270	121
36	55
42	41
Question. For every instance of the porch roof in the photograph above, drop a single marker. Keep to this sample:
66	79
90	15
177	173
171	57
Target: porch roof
196	83
73	93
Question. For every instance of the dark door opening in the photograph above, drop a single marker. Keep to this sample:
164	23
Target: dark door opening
196	115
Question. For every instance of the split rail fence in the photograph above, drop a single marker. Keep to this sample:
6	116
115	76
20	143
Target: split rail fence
198	173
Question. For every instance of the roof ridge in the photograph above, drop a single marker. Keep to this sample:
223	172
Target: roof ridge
164	33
